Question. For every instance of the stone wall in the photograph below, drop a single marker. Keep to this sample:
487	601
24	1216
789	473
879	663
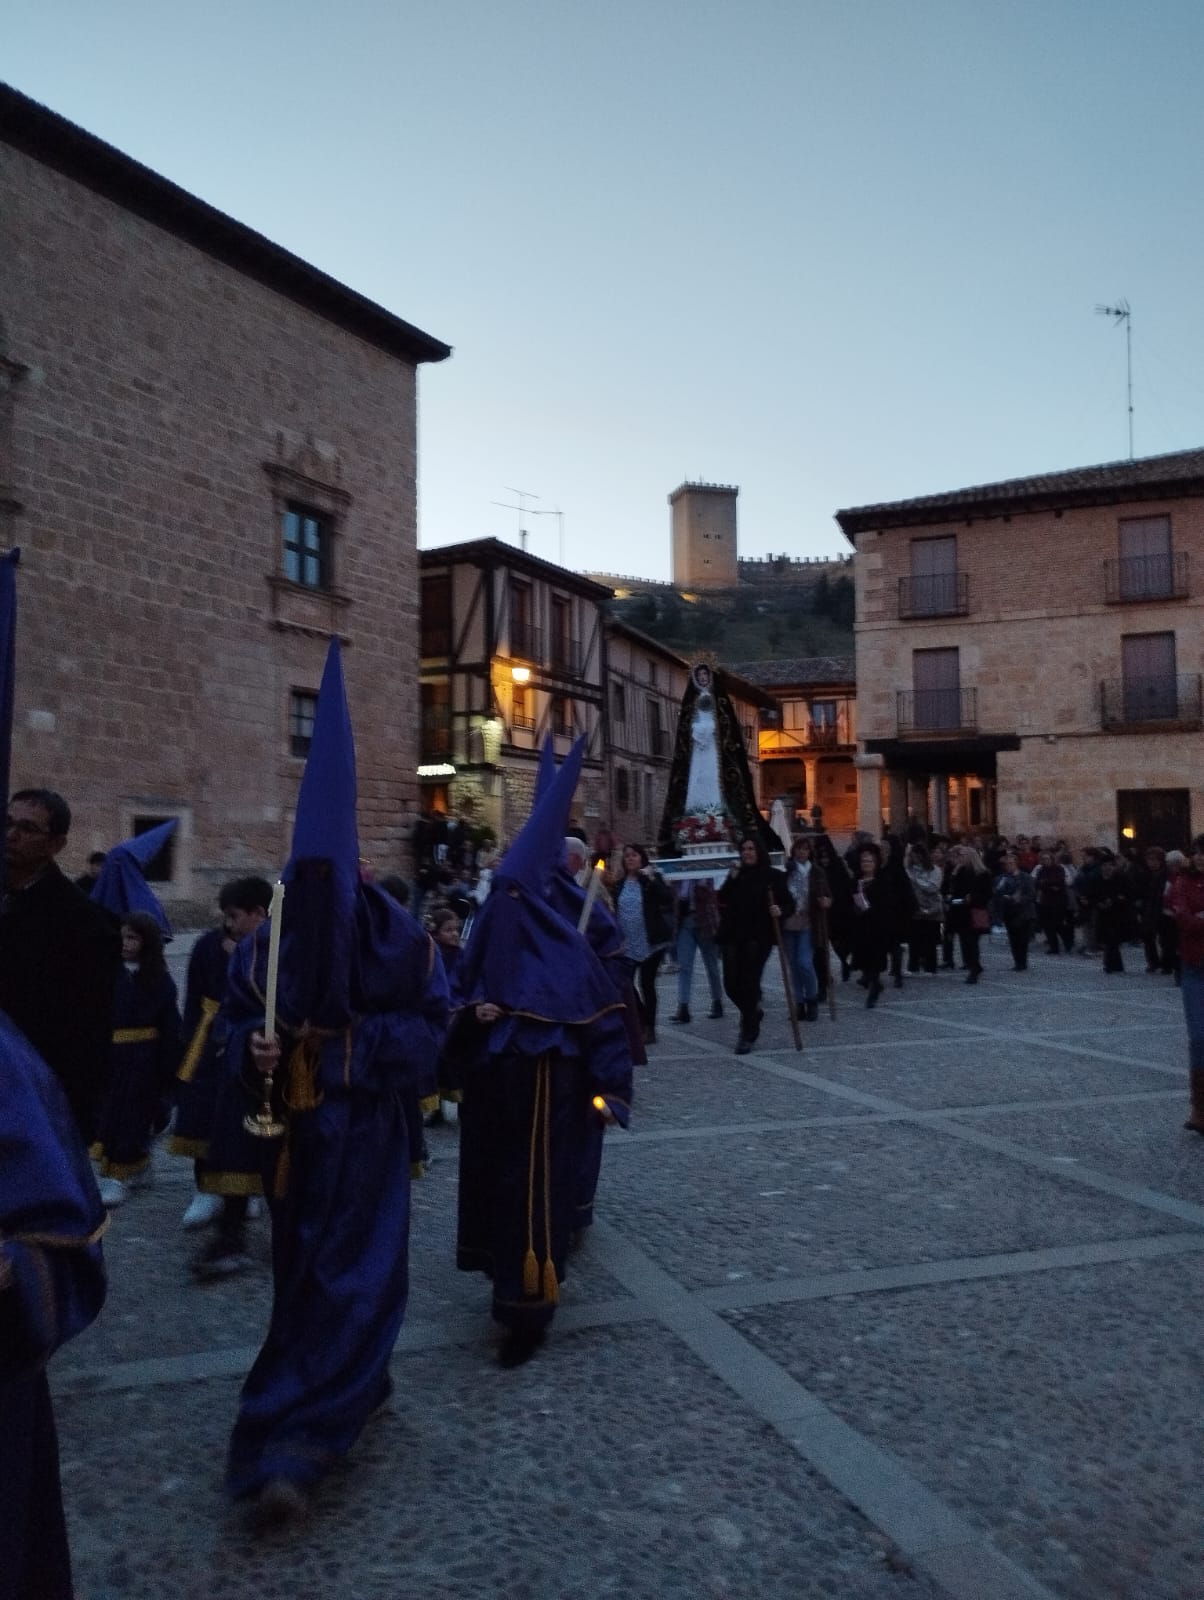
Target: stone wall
164	410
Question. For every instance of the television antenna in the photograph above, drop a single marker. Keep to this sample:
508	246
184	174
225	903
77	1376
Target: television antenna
524	511
1119	313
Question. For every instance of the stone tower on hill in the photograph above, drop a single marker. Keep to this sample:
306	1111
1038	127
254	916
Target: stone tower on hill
704	536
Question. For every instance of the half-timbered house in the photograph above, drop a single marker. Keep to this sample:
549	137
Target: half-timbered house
512	648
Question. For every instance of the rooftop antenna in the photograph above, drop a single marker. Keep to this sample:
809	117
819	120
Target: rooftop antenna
521	495
1120	313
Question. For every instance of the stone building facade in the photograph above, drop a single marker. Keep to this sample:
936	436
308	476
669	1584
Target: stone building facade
208	459
808	739
1029	654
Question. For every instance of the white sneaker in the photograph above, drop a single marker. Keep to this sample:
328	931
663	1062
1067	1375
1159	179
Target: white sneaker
204	1209
254	1208
112	1191
451	1110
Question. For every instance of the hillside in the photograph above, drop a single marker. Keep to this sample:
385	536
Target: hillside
751	623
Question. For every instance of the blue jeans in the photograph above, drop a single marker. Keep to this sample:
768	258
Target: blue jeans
1191	987
688	945
801	956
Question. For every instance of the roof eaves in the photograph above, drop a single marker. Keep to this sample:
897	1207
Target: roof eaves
50	139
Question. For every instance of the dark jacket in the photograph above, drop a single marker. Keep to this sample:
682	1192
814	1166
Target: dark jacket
59	958
969	891
744	905
1014	901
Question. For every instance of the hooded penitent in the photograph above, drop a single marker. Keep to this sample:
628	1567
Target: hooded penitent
346	947
564	892
122	886
524	955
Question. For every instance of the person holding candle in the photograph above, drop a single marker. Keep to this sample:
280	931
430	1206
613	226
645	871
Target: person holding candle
539	1039
359	1014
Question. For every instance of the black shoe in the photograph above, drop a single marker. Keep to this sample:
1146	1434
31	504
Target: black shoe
972	977
716	1012
812	1010
743	1046
225	1256
436	1119
874	989
519	1345
898	980
845	970
682	1014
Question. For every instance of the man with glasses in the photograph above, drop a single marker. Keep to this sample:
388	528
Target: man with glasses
59	955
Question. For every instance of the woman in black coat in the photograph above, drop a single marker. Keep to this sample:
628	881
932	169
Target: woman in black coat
750	901
874	931
969	898
841	917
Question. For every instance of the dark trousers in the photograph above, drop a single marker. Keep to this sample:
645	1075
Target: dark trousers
1053	925
645	989
1110	943
743	963
1160	938
946	946
925	932
1019	934
967	939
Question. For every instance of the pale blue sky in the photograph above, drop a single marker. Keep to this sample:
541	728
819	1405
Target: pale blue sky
834	251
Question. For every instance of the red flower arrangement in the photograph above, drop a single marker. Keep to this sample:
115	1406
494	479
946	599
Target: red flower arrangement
704	827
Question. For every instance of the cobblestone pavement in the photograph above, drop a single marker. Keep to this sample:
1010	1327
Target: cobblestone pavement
912	1314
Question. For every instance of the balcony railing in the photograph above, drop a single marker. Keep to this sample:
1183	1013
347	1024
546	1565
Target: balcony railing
823	736
935	594
565	654
1160	577
528	723
937	711
526	641
1142	702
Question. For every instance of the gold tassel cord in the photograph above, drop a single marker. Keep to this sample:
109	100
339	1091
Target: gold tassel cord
135	1035
551	1289
530	1261
301	1093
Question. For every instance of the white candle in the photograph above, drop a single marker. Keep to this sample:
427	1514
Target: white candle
591	894
275	914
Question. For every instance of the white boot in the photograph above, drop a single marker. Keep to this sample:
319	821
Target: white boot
204	1209
112	1191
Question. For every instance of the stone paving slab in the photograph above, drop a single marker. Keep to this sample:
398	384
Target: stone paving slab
146	1249
1141	1142
829	1200
684	1093
970	1071
612	1466
1049	1409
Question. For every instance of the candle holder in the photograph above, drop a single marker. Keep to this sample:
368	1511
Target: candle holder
264	1123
